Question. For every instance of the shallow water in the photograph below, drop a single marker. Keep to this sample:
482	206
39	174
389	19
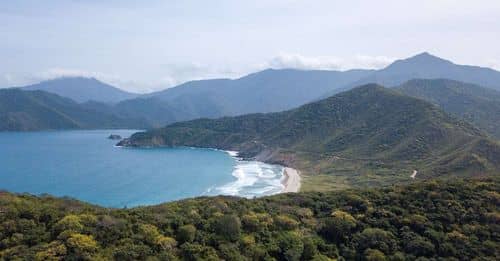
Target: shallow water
87	166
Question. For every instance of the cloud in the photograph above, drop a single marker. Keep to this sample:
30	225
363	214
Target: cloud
53	73
494	64
298	61
179	73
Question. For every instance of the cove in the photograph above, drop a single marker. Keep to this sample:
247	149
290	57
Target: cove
85	165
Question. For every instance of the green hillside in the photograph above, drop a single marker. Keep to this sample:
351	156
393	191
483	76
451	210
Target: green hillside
367	136
38	110
437	220
474	103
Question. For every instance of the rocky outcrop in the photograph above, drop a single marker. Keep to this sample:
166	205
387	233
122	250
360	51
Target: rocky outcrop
114	137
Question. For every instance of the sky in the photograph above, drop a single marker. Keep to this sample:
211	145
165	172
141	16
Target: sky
143	46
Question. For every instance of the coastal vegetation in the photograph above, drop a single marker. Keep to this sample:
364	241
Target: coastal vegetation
432	220
368	136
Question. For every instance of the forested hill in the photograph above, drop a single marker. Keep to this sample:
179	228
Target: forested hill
473	103
436	220
367	136
38	110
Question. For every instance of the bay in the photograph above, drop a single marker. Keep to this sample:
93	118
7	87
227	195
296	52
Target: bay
85	165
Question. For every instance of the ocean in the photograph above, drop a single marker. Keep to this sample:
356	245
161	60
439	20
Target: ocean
85	165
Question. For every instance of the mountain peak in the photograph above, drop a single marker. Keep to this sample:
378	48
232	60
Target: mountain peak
370	88
82	89
417	64
425	58
424	54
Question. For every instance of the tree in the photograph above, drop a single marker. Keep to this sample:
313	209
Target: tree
186	233
53	251
376	238
291	245
71	223
310	249
129	250
82	246
229	227
195	252
419	246
339	226
285	222
374	255
153	237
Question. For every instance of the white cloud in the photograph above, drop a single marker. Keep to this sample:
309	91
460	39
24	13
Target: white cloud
494	64
369	62
53	73
298	61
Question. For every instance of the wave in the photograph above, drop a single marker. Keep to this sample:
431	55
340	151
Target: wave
253	179
231	153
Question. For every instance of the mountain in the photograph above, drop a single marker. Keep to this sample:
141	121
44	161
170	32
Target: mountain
153	110
435	220
82	89
473	103
38	110
265	91
278	90
366	136
427	66
261	92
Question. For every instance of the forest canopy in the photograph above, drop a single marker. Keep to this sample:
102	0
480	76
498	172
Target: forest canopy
433	220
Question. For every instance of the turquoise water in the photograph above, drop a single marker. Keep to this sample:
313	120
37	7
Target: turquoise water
86	165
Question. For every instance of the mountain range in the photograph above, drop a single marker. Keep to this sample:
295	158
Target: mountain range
277	90
368	135
268	91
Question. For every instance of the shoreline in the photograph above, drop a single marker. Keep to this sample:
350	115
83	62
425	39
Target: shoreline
292	180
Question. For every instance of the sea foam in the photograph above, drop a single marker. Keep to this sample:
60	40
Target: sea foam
253	179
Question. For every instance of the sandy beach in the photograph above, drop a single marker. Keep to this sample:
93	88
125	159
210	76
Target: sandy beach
291	181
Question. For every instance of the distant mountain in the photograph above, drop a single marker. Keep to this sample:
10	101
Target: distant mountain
38	110
265	91
154	111
427	66
82	89
369	135
279	90
473	103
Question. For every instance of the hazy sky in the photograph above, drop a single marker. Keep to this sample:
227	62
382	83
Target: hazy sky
149	45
